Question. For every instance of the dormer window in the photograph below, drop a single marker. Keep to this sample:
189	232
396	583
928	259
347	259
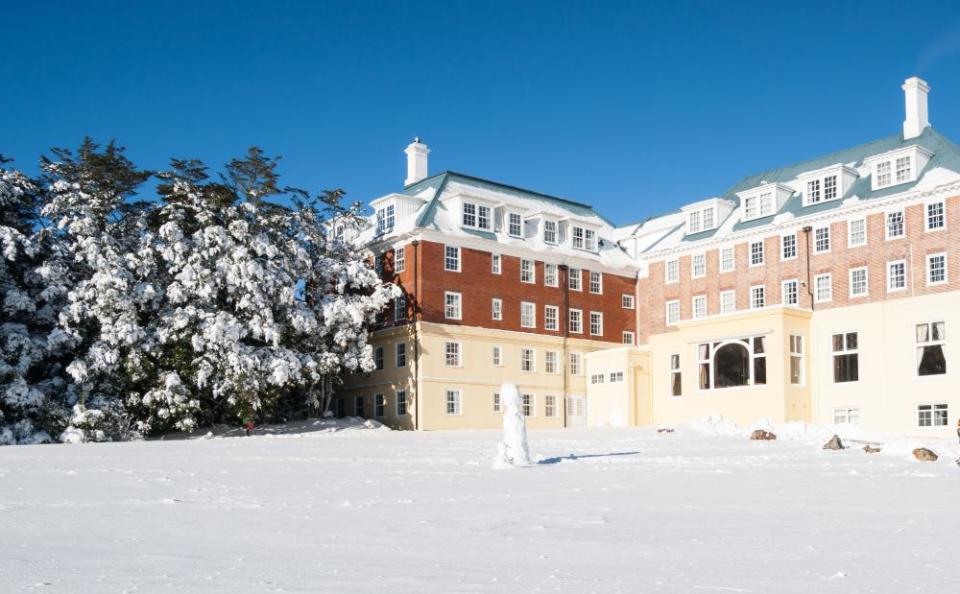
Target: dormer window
821	189
897	167
550	232
694	223
759	205
709	218
514	224
706	214
584	239
386	219
476	216
903	169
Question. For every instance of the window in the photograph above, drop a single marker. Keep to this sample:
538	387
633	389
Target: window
728	301
626	337
846	416
627	301
497	356
858	282
830	187
903	169
708	218
813	191
936	269
452	351
676	385
932	415
883	174
401	354
401	402
796	360
857	233
672	271
846	358
496	263
596	323
514	225
616	377
935	216
358	407
528	273
931	337
453	402
386	217
550	406
823	288
550	362
527	405
596	283
597	378
699	265
896	275
469	214
673	313
551	317
379	404
451	260
528	361
727	261
378	264
584	239
400	308
693	224
788	245
575	280
789	292
895	226
732	363
759	205
483	217
821	241
341	408
758	297
378	358
452	310
576	364
497	406
756	253
550	277
550	232
700	306
528	314
496	309
400	259
575	317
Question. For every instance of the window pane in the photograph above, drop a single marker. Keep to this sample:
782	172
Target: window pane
838	342
760	370
845	368
851	341
931	361
731	366
758	345
676	388
704	376
939	330
794	370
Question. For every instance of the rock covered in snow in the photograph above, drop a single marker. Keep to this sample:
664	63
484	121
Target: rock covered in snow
762	435
512	450
834	444
925	455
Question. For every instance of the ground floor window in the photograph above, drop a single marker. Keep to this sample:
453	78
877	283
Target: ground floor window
846	416
931	337
358	407
796	360
527	405
527	361
453	402
401	402
616	377
379	403
932	415
676	387
732	363
576	364
341	408
496	402
550	406
596	378
846	357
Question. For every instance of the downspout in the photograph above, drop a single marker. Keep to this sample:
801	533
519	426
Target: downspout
564	273
416	335
806	233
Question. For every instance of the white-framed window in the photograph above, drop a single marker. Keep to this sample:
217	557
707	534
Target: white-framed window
386	217
358	407
528	405
576	364
936	216
700	306
514	225
497	404
453	403
596	283
813	191
693	222
584	239
596	323
551	362
627	301
452	354
401	402
551	317
823	288
379	405
789	292
846	416
758	296
859	285
699	265
528	271
378	358
476	216
451	259
788	246
759	205
400	259
575	280
732	363
673	313
469	218
550	276
936	269
728	301
933	415
882	172
550	232
400	354
672	271
903	172
728	260
497	353
931	340
575	321
846	357
756	253
616	377
484	220
896	275
830	187
709	218
821	239
496	263
400	308
528	360
598	378
796	360
676	381
627	337
528	314
895	224
452	309
857	232
550	406
496	309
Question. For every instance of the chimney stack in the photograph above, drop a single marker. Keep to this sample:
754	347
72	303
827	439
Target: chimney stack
416	161
915	99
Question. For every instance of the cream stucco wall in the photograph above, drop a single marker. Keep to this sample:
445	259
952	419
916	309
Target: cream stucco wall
621	403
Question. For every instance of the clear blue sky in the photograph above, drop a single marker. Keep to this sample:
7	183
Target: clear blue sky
636	107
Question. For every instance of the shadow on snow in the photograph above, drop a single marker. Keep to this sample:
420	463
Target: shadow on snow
573	457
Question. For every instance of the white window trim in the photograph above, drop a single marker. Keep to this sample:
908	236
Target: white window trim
752	287
733	260
886	225
578	275
533	308
506	217
783	292
829	240
666	271
496	309
446	400
596	313
590	274
733	293
556	317
556	362
693	307
625	298
763	254
533	271
932	426
459	258
459	307
866	293
496	264
795	246
496	355
946	269
866	236
570	317
906	276
816	295
459	364
926	216
533	360
623	337
546	277
666	313
693	268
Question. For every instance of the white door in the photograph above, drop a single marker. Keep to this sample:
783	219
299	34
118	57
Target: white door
576	410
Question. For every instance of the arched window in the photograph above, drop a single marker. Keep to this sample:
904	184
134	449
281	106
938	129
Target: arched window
732	363
731	366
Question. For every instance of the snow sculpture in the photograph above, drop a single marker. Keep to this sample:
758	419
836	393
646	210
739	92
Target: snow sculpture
513	450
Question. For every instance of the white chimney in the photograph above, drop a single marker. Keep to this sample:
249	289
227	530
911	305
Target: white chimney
915	98
416	161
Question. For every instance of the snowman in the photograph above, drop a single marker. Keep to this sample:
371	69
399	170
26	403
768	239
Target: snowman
512	450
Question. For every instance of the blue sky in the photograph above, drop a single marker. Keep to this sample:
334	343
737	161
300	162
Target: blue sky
636	108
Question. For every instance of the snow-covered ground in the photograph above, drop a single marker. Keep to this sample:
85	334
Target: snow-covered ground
700	509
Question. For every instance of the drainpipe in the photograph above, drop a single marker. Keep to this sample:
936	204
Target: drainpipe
416	336
563	272
806	233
